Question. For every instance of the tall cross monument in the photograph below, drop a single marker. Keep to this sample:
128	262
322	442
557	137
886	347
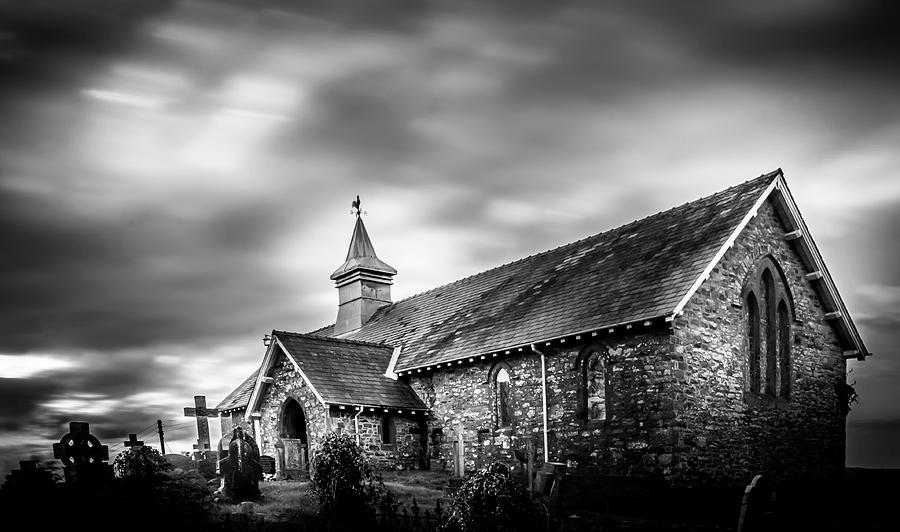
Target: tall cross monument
201	413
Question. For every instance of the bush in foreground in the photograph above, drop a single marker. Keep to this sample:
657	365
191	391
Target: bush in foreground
491	500
344	482
141	464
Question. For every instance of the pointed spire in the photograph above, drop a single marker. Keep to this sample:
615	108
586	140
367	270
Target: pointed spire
361	254
363	281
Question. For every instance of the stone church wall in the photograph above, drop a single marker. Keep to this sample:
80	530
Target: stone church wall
405	453
677	406
288	384
725	433
634	439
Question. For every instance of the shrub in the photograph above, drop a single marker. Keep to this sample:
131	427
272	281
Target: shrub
141	464
343	481
491	500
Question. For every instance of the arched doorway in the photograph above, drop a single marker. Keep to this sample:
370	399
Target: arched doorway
294	437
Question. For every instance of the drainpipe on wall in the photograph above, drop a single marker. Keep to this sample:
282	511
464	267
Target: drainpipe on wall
356	423
544	394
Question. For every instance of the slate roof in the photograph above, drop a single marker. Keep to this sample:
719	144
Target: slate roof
361	254
348	372
240	396
634	272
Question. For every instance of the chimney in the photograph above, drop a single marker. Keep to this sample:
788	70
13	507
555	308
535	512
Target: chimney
363	282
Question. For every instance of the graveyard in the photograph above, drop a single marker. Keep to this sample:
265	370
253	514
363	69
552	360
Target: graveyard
141	490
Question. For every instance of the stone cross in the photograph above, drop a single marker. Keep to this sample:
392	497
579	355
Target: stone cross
84	456
133	441
201	412
460	458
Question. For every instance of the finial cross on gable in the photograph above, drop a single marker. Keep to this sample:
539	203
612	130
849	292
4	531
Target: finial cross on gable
133	441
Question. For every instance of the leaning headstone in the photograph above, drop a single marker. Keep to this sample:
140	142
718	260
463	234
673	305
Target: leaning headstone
83	457
240	466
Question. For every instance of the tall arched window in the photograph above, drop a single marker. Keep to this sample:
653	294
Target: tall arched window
769	315
753	342
592	394
771	345
595	376
501	399
784	349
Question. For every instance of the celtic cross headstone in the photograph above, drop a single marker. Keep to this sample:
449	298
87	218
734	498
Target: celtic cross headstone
83	456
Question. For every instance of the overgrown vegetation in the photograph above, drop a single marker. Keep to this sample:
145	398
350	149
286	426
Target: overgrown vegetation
847	395
345	484
143	464
492	500
146	494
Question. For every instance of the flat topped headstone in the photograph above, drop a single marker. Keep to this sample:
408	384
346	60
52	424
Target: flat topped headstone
30	479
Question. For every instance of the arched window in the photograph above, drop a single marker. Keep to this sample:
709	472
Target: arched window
388	431
753	341
784	349
769	315
592	394
771	345
502	406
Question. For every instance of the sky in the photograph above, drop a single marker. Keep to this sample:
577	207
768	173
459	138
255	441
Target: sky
176	176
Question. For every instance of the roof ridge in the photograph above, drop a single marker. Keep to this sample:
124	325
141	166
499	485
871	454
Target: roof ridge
331	339
574	242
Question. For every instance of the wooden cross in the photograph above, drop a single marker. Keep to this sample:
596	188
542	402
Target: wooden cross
133	441
201	412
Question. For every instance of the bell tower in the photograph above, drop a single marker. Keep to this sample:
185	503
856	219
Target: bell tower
363	281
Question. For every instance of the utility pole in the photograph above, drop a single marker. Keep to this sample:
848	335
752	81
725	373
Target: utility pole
162	442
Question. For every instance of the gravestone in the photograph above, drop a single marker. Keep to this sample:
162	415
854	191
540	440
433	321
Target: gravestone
756	506
548	482
201	412
459	452
83	457
133	441
30	480
268	464
239	465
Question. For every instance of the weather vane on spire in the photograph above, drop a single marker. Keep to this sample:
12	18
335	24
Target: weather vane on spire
355	207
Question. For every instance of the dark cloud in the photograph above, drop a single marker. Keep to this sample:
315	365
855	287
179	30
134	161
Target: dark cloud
507	127
20	398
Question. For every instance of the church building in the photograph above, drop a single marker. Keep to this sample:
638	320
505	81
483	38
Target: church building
704	343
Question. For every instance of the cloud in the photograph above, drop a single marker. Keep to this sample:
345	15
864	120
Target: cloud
175	175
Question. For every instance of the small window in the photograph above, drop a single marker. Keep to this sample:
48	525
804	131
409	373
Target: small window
593	388
388	431
501	392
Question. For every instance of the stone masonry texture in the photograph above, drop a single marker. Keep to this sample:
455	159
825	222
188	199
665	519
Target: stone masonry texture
678	401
